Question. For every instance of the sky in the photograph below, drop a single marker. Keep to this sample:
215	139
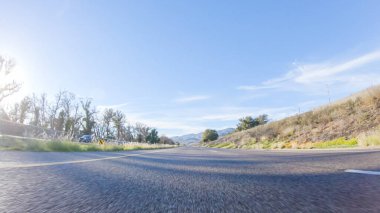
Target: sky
184	66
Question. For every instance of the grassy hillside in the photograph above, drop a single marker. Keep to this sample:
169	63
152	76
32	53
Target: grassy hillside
353	121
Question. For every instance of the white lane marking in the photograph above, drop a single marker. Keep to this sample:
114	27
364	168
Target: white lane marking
14	165
363	172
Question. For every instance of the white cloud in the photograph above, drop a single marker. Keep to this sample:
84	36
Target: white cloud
234	113
253	87
315	72
321	73
192	99
116	106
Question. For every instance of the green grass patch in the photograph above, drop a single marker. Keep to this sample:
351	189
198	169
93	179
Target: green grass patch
266	144
251	144
23	144
337	143
225	145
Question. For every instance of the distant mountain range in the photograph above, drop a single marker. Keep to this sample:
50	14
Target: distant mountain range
195	138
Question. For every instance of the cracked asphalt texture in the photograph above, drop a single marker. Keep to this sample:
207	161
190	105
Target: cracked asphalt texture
192	179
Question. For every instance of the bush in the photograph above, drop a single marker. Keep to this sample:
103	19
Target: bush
209	135
249	122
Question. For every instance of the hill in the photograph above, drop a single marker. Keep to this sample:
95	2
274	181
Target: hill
353	121
196	138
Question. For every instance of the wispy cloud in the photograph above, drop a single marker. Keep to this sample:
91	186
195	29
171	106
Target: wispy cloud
192	98
116	106
234	113
316	73
255	87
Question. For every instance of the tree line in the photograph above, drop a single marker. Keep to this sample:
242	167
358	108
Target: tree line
71	116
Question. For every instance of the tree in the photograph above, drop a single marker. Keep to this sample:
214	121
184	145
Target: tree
262	119
128	133
75	121
245	123
14	113
153	136
141	131
99	130
108	115
209	135
249	122
88	120
36	110
166	140
59	123
43	108
67	105
7	88
24	109
118	122
54	108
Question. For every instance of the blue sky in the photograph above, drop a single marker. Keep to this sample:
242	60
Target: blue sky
183	66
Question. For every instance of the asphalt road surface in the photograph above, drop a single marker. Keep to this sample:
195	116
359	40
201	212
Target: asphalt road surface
190	180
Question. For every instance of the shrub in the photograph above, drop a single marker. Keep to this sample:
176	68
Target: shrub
209	135
266	145
249	122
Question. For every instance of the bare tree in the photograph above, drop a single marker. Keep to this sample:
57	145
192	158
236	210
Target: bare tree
119	121
88	120
67	103
7	88
36	110
128	133
14	113
99	130
59	123
166	140
107	119
24	109
142	132
75	124
54	109
43	108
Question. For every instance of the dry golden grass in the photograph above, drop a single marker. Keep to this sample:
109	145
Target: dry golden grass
353	118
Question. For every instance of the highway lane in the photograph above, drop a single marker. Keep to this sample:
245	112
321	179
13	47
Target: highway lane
190	179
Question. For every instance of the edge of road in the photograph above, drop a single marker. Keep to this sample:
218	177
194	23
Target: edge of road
355	149
11	165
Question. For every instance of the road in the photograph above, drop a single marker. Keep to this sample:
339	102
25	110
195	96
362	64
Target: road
190	179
